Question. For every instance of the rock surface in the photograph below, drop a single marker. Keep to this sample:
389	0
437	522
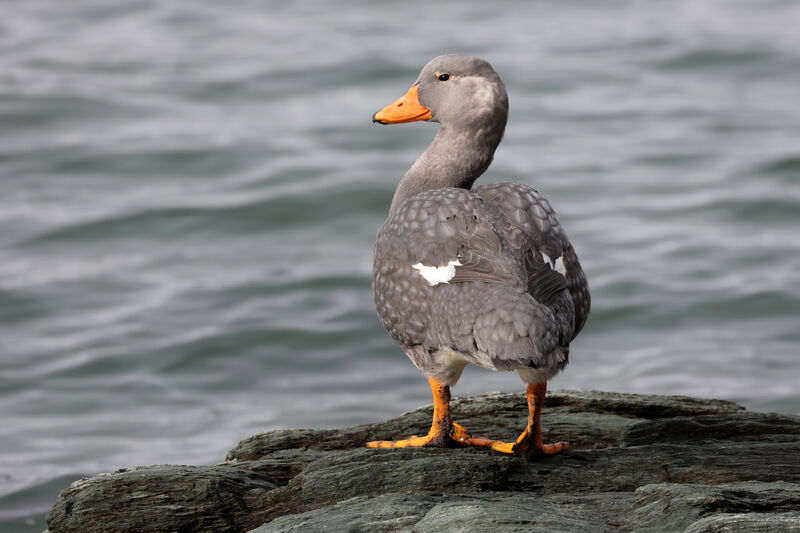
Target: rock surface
637	463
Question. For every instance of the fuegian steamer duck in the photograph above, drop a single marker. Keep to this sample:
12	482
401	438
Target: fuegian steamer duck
482	275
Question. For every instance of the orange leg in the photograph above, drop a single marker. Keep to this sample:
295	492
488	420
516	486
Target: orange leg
444	432
530	442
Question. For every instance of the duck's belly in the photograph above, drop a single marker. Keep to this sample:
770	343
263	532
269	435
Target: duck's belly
446	365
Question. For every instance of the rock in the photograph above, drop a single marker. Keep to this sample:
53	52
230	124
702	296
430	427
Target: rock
392	512
431	512
638	463
748	523
588	419
162	498
598	513
735	427
672	507
648	406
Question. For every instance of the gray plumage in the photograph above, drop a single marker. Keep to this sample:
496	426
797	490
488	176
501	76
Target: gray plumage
505	306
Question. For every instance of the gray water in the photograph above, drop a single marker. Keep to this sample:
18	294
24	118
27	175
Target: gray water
190	191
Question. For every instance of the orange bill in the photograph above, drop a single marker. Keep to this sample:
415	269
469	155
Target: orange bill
406	109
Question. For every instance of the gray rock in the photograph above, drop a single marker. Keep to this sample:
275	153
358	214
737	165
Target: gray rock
588	419
735	427
598	513
384	513
647	406
162	498
348	474
643	463
427	512
668	507
748	523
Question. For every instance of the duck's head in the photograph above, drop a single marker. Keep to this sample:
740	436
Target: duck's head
454	90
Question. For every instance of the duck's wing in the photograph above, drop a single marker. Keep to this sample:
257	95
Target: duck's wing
447	236
436	238
530	227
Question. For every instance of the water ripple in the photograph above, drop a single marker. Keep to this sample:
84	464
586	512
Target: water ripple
190	192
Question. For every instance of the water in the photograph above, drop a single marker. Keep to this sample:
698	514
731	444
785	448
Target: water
189	194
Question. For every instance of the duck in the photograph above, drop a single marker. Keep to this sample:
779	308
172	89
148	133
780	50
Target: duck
473	275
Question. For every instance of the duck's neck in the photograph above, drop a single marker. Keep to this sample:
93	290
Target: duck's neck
455	158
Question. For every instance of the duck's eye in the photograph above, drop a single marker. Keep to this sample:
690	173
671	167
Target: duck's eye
444	77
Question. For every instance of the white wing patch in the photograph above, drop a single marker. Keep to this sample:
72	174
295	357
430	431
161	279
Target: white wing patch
557	265
435	275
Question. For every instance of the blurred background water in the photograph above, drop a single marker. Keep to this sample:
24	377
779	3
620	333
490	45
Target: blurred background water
190	191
